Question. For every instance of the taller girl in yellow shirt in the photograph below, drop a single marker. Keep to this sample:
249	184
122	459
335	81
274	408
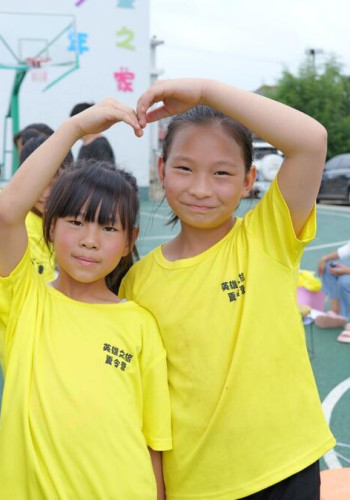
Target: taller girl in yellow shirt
247	419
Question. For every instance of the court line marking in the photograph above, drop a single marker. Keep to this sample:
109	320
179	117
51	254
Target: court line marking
333	208
328	405
156	237
326	245
155	216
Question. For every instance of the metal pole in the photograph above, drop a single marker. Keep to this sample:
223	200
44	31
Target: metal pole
155	190
13	112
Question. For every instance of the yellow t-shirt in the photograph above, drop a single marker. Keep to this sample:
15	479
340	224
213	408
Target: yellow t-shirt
42	257
85	393
245	408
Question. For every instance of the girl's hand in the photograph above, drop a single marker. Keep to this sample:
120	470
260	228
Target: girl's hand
339	269
177	96
103	115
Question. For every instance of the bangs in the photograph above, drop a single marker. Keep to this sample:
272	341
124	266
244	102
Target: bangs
92	203
95	194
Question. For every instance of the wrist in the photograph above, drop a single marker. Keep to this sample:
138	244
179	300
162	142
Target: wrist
69	131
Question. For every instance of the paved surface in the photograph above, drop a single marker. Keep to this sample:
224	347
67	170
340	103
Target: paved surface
330	359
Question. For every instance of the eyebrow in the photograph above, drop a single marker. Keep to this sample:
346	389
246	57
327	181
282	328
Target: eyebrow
217	163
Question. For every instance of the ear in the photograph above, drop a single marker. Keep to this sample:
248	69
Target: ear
128	248
250	178
161	170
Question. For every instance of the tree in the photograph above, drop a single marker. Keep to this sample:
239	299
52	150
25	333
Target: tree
322	92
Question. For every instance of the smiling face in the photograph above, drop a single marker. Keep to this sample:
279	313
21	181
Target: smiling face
86	250
204	176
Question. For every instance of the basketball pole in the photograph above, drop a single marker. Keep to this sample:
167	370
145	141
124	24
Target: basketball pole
13	112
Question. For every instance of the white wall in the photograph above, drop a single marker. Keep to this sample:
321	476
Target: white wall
105	23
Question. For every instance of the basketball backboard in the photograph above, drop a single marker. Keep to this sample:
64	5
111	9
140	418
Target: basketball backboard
32	41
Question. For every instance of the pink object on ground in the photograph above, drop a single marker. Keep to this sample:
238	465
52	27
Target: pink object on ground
344	337
315	300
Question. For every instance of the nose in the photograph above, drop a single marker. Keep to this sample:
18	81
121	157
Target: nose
201	186
89	237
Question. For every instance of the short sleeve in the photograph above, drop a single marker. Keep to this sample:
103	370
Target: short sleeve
270	224
156	400
13	292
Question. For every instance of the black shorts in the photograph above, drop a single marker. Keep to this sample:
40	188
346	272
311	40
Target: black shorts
304	485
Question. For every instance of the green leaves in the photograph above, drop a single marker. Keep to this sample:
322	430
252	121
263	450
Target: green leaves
323	92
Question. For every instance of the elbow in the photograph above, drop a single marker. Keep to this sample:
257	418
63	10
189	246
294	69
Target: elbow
320	141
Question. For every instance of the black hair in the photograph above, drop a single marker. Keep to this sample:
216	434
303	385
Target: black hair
205	115
32	130
105	191
99	149
81	106
33	143
43	128
30	133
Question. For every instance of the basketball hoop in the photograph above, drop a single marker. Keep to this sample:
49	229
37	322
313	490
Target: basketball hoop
36	62
38	73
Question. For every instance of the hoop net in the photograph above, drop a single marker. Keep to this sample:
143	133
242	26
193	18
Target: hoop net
36	62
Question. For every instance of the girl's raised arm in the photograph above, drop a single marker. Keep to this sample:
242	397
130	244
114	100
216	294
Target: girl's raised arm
36	173
301	138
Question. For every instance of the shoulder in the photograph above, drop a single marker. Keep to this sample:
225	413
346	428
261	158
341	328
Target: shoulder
144	263
269	227
34	222
143	321
141	315
23	271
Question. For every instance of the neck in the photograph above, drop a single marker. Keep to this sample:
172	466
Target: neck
192	241
92	293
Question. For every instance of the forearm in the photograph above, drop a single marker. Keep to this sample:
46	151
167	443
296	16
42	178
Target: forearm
286	128
156	457
35	174
330	256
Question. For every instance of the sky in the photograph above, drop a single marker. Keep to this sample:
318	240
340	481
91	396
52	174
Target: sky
247	43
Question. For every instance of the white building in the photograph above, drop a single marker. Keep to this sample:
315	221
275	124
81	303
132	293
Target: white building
109	41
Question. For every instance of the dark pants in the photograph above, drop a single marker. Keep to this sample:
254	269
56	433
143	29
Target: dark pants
304	485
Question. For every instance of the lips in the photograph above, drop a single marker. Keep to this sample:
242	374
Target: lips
199	208
85	260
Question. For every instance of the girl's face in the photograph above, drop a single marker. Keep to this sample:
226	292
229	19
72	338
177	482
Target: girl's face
86	251
204	177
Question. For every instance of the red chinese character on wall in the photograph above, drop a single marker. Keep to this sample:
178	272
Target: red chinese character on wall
124	79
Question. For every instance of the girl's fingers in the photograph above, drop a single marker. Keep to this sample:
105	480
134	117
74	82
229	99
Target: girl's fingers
156	114
108	112
152	96
128	116
143	105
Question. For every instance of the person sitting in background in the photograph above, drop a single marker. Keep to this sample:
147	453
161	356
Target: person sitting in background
334	270
95	146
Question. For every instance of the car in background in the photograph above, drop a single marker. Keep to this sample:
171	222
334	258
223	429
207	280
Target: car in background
335	183
267	160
